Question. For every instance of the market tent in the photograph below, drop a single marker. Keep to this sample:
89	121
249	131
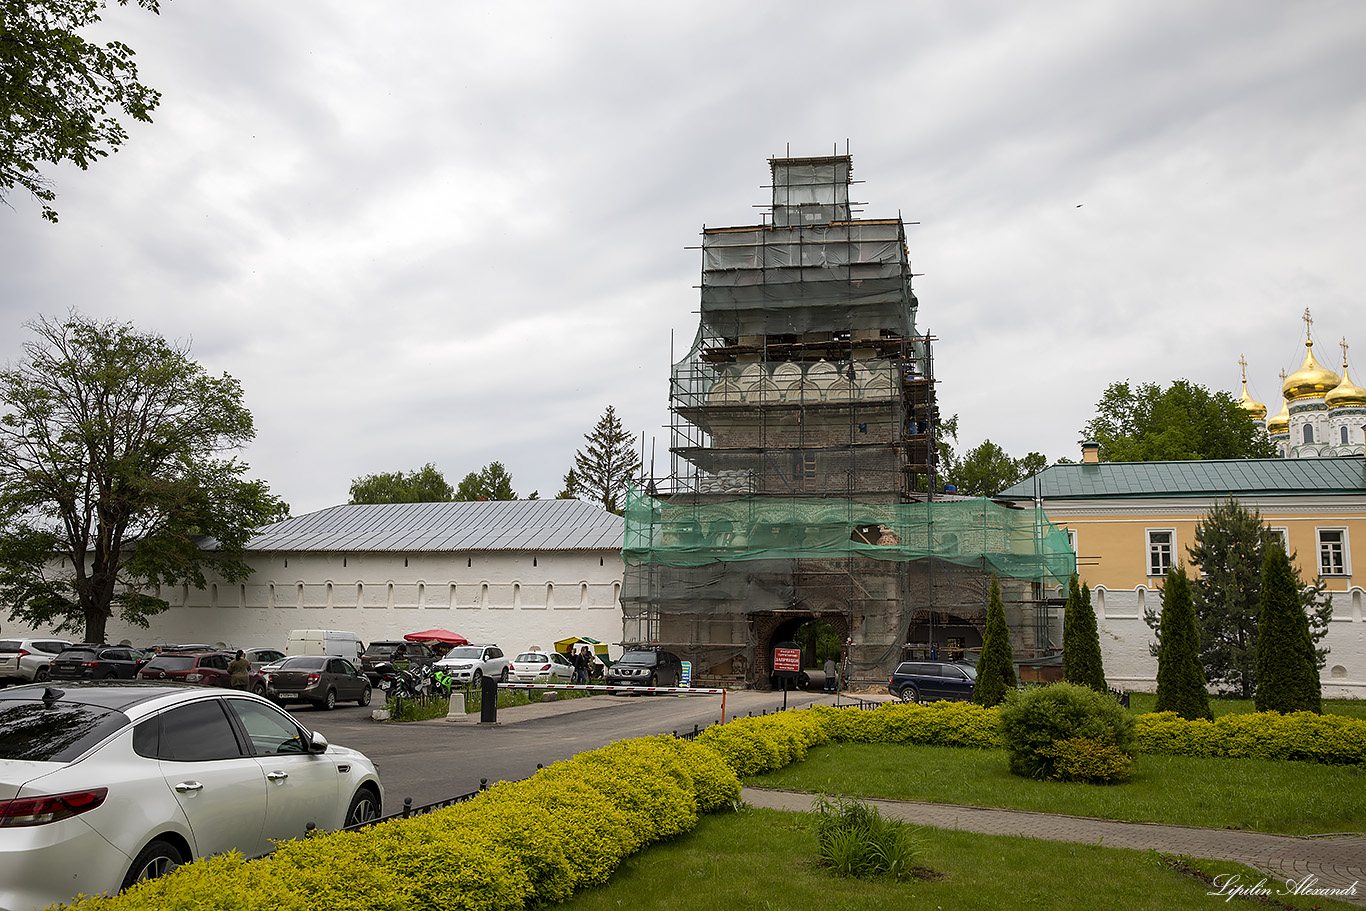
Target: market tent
437	636
563	646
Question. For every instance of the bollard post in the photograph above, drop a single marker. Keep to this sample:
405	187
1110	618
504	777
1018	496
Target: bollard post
407	807
488	701
483	784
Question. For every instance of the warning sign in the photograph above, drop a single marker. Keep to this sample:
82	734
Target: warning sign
787	660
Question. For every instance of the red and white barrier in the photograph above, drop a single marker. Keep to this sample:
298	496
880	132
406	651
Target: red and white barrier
600	688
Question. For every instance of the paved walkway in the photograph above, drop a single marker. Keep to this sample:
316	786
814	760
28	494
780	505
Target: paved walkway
1337	861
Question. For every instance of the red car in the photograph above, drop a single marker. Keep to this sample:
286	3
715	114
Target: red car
204	668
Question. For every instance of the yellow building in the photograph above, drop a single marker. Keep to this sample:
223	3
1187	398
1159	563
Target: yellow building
1129	521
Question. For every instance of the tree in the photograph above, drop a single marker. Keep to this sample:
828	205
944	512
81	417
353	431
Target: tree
1230	546
987	470
1287	667
492	482
115	469
606	463
425	485
996	669
1081	663
1185	421
59	94
571	487
1180	678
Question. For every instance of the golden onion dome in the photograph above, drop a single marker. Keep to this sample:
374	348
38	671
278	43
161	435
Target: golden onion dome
1281	422
1311	378
1345	393
1251	405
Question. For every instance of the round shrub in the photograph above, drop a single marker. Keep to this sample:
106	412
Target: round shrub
1035	723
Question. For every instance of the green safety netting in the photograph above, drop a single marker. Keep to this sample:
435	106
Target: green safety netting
1018	543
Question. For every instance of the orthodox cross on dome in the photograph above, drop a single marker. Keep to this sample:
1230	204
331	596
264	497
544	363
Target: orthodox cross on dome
1344	355
1308	323
1283	376
1242	359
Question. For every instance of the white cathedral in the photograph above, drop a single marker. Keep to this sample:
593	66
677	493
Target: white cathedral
1322	414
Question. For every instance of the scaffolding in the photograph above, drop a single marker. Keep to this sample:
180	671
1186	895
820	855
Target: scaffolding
803	443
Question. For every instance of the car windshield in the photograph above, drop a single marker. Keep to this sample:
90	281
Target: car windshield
646	659
466	652
530	657
77	654
11	645
33	732
300	662
969	670
169	663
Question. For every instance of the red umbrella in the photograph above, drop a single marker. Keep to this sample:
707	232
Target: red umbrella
443	636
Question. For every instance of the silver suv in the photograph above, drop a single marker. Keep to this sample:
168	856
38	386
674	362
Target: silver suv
28	660
472	663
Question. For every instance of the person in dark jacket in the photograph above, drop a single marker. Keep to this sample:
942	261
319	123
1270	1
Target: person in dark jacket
239	671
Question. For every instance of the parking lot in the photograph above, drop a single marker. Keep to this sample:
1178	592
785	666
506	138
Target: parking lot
433	760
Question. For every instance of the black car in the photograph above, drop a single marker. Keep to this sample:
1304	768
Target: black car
923	681
415	653
97	662
645	667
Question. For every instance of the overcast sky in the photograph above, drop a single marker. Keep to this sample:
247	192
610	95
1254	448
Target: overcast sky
454	232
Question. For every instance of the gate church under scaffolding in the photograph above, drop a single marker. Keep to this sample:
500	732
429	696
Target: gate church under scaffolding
803	462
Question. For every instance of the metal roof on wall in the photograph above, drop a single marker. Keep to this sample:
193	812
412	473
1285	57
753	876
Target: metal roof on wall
1195	478
481	525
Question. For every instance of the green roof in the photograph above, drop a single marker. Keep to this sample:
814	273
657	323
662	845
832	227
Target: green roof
1195	478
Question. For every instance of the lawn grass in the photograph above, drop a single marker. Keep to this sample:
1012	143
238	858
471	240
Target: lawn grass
1293	798
764	860
1139	703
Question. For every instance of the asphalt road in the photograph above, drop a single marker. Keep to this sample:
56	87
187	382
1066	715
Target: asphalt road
435	760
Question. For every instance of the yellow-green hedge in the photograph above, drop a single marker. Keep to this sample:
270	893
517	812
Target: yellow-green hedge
516	845
1332	739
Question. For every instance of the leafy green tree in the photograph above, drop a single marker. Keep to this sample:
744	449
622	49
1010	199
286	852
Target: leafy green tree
1081	663
492	482
996	670
1230	546
988	469
116	465
1180	678
1287	667
606	463
1184	421
59	94
425	485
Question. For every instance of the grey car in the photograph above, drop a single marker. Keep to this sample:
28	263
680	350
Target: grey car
323	680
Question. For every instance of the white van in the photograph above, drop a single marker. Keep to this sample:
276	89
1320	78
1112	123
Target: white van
342	643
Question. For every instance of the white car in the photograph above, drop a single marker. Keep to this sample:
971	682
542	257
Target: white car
472	663
27	660
541	667
105	785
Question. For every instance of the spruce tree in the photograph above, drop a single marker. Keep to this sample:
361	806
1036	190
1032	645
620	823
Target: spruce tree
1180	678
1287	668
996	670
1081	662
605	464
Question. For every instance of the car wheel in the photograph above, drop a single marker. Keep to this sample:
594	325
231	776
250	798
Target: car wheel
503	677
157	859
364	699
40	676
110	676
259	689
364	808
329	701
909	694
477	679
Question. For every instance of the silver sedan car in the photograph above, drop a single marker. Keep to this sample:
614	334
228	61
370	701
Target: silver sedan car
104	785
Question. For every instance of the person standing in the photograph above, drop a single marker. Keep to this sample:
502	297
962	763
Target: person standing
239	671
831	675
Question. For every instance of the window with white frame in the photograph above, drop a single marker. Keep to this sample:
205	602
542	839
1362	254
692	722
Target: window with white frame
1281	536
1071	538
1161	542
1333	552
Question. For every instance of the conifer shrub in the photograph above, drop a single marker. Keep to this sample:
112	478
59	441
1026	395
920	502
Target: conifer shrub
1035	722
1287	667
1180	677
996	669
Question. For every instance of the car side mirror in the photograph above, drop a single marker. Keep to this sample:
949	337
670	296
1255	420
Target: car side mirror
317	743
